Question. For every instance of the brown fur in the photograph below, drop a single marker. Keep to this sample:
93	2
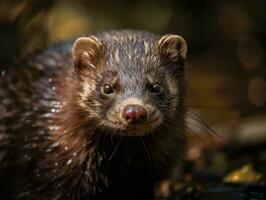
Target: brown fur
68	140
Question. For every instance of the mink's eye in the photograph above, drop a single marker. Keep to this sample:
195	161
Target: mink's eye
107	89
155	88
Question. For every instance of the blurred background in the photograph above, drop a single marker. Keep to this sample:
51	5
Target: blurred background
226	57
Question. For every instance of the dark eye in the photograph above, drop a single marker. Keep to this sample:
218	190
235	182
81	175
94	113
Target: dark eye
108	89
155	88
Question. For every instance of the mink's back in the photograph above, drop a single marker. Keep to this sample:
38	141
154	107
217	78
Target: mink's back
27	95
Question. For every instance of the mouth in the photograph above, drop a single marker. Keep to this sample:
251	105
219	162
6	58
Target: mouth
134	129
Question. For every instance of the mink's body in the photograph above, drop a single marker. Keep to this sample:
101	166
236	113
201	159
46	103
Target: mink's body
65	132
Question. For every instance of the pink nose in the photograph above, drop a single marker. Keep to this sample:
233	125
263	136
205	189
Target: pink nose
134	114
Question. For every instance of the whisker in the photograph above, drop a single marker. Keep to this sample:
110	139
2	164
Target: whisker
115	149
205	125
146	150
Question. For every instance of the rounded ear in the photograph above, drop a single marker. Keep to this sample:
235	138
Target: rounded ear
87	52
172	48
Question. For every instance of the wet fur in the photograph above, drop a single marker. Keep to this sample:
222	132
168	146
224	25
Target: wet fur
53	141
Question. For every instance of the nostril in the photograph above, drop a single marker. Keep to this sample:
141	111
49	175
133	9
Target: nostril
129	117
134	113
129	113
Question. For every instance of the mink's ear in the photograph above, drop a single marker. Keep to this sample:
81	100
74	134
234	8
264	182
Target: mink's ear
87	52
172	49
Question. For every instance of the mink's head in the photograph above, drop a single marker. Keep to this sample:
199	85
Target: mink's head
130	82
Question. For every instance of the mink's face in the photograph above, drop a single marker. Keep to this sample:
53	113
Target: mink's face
135	87
134	104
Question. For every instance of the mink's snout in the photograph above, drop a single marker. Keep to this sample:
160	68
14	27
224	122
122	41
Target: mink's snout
134	114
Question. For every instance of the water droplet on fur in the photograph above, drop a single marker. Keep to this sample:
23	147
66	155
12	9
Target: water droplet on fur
27	157
55	104
47	115
54	110
55	144
48	150
53	88
50	62
74	154
41	132
56	164
3	73
87	173
50	80
53	128
69	161
66	148
24	194
6	101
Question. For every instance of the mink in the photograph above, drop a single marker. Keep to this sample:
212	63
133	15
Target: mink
98	117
